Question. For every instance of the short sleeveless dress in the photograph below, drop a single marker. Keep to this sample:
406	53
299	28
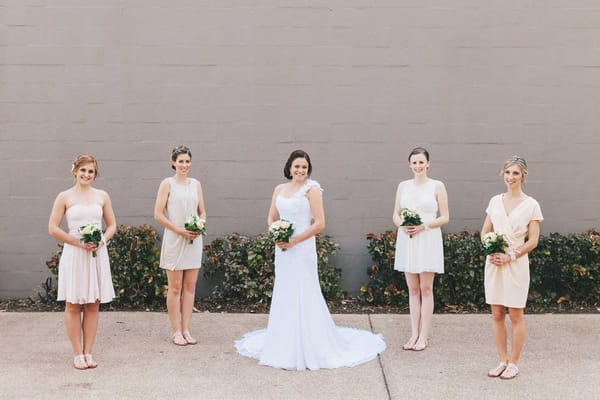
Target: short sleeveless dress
508	284
423	252
83	278
301	333
176	252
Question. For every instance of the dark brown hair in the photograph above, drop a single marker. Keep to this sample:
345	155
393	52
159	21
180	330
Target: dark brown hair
288	165
177	151
419	150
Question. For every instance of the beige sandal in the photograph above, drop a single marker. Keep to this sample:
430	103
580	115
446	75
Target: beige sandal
510	372
188	338
496	372
79	362
420	346
410	344
90	361
178	339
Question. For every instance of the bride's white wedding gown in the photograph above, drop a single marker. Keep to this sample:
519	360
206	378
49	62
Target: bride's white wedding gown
301	333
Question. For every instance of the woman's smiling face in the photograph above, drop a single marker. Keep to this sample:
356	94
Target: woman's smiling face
418	163
299	169
85	174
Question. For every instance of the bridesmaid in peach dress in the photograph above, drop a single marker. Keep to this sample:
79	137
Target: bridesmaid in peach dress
516	216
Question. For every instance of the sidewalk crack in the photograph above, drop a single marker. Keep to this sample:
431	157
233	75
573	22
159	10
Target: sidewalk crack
385	382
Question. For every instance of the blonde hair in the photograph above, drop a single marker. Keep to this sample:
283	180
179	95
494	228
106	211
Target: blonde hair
84	159
519	162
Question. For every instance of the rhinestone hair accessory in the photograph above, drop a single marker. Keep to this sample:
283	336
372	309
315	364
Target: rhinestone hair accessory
516	160
520	161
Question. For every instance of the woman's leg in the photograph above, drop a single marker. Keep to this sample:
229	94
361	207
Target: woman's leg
518	333
498	317
414	304
427	303
175	282
91	314
190	276
73	326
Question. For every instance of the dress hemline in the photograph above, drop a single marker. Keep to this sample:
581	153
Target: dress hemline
83	302
179	268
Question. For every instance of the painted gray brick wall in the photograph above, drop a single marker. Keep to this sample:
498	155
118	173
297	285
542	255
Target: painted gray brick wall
356	84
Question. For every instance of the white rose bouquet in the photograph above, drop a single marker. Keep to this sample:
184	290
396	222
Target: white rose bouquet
410	218
494	243
91	233
281	231
195	224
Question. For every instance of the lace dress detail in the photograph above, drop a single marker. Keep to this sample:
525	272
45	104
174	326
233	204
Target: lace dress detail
301	333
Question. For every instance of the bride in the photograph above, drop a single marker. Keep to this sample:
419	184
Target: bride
301	333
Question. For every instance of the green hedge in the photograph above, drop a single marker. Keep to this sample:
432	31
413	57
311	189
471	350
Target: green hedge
563	269
134	259
244	267
566	268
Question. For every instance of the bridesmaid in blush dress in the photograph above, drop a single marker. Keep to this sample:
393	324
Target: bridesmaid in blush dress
84	281
516	216
301	333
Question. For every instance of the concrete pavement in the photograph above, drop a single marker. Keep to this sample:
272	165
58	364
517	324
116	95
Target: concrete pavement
137	361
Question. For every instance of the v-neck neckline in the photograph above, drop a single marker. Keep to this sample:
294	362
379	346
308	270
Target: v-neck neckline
508	214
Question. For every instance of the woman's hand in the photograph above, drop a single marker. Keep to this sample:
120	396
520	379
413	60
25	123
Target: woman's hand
413	230
499	259
88	246
187	234
102	243
284	245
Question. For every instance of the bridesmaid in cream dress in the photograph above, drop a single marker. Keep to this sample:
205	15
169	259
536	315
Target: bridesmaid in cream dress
420	249
180	197
84	281
516	216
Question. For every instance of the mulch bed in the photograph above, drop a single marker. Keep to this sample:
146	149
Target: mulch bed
347	306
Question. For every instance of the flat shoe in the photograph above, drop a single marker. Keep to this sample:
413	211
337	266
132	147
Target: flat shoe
510	372
79	362
90	361
178	339
496	372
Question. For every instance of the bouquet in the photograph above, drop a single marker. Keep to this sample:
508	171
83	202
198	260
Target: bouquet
195	224
410	218
494	243
281	231
91	233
